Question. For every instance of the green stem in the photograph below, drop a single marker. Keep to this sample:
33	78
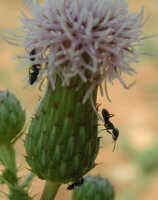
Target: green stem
50	190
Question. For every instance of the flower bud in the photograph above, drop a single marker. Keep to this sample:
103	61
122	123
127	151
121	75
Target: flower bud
12	117
9	177
18	193
62	141
96	188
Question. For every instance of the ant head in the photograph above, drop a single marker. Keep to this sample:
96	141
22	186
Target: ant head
32	52
105	112
70	187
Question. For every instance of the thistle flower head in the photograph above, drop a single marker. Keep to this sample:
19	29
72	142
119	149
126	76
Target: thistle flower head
93	40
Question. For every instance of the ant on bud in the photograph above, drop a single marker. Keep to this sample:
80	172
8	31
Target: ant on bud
115	134
34	69
76	184
106	115
109	127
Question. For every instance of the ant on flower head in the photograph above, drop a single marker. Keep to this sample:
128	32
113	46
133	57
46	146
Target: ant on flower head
34	69
109	127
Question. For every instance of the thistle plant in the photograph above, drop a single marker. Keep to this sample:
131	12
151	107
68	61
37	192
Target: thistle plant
96	188
77	46
12	118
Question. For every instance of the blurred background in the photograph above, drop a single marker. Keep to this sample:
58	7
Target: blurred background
133	167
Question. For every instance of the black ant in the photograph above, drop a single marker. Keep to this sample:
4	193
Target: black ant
75	184
109	127
106	115
34	69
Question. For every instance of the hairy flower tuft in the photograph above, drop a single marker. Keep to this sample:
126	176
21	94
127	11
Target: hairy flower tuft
93	40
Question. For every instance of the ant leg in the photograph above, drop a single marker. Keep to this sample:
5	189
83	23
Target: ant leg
114	146
108	131
41	83
99	124
102	129
97	106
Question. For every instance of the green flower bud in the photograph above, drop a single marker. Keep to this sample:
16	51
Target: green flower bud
18	193
9	177
62	141
12	117
96	188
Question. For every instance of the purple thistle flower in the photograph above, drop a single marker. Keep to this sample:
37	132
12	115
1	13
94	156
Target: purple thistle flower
94	40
